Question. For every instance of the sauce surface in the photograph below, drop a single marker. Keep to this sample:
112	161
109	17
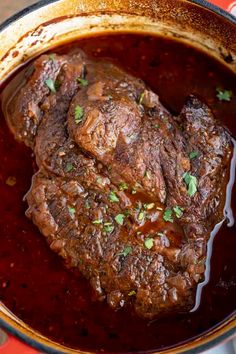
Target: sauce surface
34	284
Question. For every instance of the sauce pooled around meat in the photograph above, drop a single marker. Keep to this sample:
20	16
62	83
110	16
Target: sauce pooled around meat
126	190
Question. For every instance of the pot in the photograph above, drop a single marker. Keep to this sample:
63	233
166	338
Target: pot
51	23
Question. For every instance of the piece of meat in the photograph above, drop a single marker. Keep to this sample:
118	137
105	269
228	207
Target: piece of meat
80	225
28	105
110	195
113	127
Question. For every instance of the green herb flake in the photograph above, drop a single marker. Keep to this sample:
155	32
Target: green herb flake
178	211
224	95
193	155
120	219
108	227
126	252
147	174
140	101
86	204
57	85
99	180
167	216
69	167
11	181
113	197
191	183
71	211
127	212
149	243
149	206
82	82
97	222
132	293
52	57
79	113
51	85
160	234
141	215
123	186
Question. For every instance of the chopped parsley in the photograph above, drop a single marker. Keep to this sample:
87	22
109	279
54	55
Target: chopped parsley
69	167
99	180
108	227
149	243
191	183
71	211
140	101
160	234
127	250
97	222
127	212
82	82
86	204
51	85
57	85
52	57
11	181
123	186
132	293
141	215
113	197
167	216
147	174
120	219
149	206
79	113
193	155
224	95
178	211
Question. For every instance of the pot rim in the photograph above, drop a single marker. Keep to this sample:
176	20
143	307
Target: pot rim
210	343
203	3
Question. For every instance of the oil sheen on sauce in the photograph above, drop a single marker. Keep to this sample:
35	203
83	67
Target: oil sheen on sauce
34	284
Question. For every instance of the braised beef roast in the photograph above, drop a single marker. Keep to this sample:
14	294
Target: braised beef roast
125	192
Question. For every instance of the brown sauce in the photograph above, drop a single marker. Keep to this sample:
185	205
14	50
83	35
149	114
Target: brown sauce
34	284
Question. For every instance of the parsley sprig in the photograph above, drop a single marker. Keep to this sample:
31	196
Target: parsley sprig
79	113
224	95
191	183
51	85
